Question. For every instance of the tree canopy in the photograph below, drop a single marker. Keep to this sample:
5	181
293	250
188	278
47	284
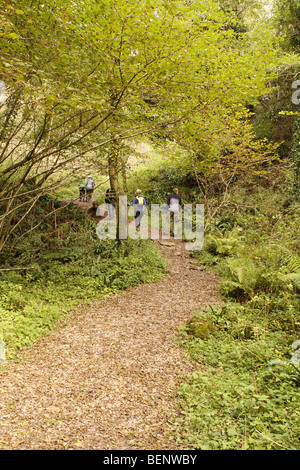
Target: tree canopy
81	77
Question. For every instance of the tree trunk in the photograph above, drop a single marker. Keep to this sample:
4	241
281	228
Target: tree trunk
114	167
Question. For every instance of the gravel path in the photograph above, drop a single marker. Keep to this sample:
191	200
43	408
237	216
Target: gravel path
107	380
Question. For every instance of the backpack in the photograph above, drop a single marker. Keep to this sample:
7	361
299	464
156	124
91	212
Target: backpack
89	184
139	200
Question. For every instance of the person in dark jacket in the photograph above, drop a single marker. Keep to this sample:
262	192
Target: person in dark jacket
139	203
82	189
111	201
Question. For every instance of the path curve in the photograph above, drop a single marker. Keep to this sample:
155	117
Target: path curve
108	379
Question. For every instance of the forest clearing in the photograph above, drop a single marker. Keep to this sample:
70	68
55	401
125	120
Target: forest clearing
149	225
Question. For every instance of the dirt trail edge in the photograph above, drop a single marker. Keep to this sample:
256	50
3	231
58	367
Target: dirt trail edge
108	379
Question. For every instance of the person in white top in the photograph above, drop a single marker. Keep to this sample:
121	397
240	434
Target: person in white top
174	206
89	186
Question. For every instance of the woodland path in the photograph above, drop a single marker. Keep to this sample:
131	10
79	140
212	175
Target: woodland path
107	380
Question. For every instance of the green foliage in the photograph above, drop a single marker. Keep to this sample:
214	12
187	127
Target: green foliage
242	398
286	14
239	410
256	256
246	392
199	327
224	245
288	369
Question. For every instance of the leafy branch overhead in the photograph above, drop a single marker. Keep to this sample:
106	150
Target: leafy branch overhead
82	76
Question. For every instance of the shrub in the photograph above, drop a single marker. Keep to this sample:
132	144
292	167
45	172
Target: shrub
69	266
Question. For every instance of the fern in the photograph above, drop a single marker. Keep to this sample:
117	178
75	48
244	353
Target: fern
293	263
289	259
291	279
222	245
289	368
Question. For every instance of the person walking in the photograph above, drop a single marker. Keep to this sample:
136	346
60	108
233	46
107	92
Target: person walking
174	206
89	186
110	199
81	186
139	203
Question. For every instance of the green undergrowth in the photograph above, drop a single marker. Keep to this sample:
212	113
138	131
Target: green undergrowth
64	266
244	393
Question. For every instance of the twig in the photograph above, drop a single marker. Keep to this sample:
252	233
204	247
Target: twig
274	442
15	269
